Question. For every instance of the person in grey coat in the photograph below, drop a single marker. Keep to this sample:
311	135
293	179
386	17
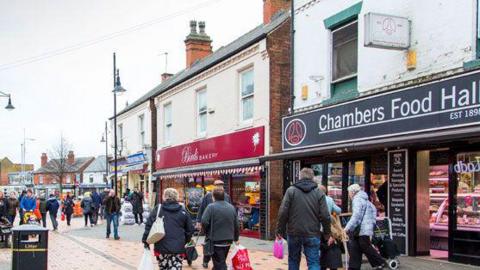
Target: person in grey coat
220	223
301	216
363	221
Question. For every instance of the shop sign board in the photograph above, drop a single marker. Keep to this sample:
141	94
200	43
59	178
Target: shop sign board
397	197
442	104
247	143
387	31
136	158
121	164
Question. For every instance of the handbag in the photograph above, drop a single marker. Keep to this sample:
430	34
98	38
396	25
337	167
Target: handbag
191	250
157	232
208	246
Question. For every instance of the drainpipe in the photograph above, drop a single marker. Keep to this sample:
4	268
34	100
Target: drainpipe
292	56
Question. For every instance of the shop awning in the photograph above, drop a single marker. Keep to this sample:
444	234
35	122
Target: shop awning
390	142
225	167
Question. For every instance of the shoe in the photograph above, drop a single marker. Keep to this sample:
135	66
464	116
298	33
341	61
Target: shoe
108	236
91	225
117	238
205	265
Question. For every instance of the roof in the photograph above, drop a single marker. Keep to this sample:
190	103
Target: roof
216	57
98	165
52	165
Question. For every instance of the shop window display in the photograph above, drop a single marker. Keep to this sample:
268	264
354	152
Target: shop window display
468	191
246	199
334	184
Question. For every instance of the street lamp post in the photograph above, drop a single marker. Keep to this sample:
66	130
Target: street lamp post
118	89
9	106
24	153
105	140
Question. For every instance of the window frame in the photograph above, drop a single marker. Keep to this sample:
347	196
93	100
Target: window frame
199	112
167	126
242	97
332	51
141	128
120	135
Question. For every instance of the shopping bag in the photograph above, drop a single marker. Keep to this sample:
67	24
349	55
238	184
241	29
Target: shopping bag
62	218
157	231
191	251
278	249
240	259
146	262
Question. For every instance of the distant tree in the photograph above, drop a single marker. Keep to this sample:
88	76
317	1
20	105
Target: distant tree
59	166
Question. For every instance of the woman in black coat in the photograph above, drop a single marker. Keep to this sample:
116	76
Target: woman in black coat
178	231
137	205
68	205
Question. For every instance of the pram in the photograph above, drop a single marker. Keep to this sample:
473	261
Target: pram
5	231
383	240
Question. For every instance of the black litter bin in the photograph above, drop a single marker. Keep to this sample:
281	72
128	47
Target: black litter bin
29	247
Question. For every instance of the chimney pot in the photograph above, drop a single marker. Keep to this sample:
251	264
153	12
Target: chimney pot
43	159
193	27
201	26
197	46
70	158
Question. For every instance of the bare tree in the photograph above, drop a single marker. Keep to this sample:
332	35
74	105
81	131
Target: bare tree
59	166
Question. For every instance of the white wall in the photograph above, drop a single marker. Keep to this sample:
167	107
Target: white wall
131	129
97	177
223	90
443	34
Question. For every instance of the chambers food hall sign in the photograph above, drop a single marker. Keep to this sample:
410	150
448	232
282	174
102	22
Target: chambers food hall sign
448	103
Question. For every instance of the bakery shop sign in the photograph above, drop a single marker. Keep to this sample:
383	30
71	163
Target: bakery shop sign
466	167
247	143
437	105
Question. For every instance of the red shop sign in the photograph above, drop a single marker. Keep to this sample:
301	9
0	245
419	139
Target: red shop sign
238	145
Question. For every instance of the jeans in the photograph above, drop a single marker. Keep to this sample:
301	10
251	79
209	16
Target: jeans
44	220
69	218
53	218
219	257
136	216
87	217
311	248
112	218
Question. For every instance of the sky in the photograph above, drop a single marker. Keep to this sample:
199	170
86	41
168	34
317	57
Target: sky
56	62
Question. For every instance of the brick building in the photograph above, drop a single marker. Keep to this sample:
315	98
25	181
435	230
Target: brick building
47	178
216	118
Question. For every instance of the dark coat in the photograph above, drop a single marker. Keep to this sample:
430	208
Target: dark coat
178	228
103	196
223	217
137	202
42	205
53	205
206	201
112	205
68	205
303	210
87	205
3	207
13	204
97	200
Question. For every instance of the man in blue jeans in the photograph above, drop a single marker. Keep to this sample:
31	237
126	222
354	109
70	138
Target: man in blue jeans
301	216
112	211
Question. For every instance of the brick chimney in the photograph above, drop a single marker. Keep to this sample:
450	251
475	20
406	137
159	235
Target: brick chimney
166	76
43	159
272	7
198	44
70	158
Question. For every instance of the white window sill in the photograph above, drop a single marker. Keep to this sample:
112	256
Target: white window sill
245	125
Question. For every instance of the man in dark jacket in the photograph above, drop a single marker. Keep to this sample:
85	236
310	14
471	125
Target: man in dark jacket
103	196
206	201
137	204
52	208
42	207
304	212
3	206
178	231
220	223
97	202
112	212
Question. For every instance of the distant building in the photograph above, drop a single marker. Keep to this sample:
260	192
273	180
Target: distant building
7	167
95	176
46	178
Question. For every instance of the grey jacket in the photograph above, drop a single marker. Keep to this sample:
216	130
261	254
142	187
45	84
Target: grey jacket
303	211
364	215
223	217
207	200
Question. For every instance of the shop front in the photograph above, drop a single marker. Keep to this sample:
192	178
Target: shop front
415	151
137	168
233	158
122	175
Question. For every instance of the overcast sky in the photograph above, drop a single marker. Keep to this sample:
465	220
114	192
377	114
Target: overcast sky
56	61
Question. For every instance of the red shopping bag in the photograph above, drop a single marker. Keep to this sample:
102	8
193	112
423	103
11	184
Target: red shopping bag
62	218
240	259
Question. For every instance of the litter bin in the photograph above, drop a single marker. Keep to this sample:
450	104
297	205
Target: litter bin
29	247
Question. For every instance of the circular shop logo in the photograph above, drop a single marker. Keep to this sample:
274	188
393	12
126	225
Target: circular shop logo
295	132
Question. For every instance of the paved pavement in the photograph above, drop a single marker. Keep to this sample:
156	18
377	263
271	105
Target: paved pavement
82	248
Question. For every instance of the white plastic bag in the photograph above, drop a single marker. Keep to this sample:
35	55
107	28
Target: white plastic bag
146	262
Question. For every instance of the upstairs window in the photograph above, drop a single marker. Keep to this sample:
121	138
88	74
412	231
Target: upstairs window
120	136
247	89
201	113
345	51
167	120
141	128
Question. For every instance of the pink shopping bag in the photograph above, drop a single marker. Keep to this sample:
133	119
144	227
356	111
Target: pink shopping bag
278	249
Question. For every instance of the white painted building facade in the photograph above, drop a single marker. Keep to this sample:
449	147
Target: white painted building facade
443	36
